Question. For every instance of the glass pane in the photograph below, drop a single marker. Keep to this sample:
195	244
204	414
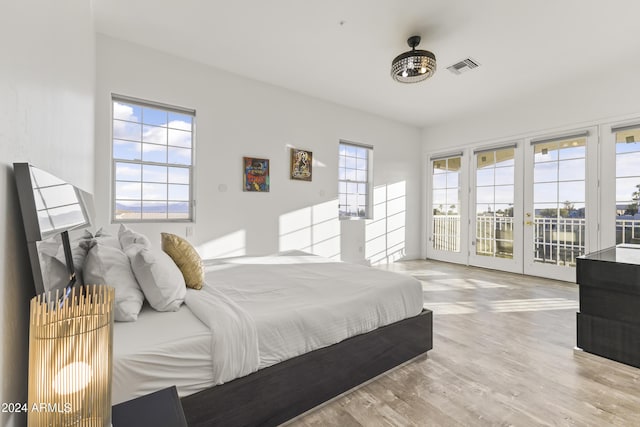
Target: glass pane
361	164
350	162
126	150
126	209
439	197
152	116
452	196
124	111
128	190
361	176
439	166
628	164
504	209
504	194
505	157
154	210
485	160
573	148
154	191
154	134
180	121
627	189
439	181
179	175
505	176
484	177
546	152
545	192
454	164
545	172
178	210
180	138
485	195
571	170
128	172
452	179
571	191
351	174
154	153
127	130
154	173
178	192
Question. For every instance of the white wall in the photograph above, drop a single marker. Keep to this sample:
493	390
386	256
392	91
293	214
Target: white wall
593	98
239	117
46	118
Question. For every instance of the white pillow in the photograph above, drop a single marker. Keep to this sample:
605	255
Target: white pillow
106	265
128	237
159	277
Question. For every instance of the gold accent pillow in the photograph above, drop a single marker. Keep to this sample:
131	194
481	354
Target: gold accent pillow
186	258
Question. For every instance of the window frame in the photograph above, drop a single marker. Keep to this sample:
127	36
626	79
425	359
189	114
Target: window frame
190	167
368	183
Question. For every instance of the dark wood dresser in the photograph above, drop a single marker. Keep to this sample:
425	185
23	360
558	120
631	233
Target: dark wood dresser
609	316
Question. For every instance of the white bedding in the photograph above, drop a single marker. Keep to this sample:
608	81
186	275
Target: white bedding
158	350
254	312
302	302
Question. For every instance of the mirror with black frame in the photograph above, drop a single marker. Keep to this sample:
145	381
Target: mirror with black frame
51	208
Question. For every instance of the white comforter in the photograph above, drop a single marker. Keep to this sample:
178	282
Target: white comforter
264	310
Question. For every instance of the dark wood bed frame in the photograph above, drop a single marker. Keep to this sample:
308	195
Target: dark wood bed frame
283	391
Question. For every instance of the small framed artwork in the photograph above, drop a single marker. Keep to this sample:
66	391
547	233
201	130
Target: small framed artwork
256	174
301	164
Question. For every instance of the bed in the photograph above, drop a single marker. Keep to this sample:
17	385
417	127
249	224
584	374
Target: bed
268	338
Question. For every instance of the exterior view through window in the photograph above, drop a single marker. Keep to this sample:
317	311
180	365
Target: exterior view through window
446	203
152	161
628	186
495	176
354	170
559	201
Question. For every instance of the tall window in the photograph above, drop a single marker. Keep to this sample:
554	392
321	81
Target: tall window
628	185
152	161
354	177
446	203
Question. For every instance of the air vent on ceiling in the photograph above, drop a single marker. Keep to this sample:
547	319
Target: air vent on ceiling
464	65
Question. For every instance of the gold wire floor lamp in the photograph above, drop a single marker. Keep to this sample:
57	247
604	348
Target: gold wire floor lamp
70	358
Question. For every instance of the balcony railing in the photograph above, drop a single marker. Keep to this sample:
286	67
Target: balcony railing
557	241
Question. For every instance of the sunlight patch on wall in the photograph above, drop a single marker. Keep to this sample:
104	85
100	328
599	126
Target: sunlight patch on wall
314	229
232	244
385	233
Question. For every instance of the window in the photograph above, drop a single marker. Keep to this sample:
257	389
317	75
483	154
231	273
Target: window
354	176
152	161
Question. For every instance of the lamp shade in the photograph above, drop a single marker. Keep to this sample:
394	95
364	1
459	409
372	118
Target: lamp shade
70	358
413	66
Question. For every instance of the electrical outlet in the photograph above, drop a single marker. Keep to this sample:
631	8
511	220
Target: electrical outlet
189	231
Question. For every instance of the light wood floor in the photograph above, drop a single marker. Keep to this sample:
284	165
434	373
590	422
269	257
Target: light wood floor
503	354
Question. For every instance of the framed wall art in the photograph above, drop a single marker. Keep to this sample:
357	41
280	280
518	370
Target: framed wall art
256	174
301	164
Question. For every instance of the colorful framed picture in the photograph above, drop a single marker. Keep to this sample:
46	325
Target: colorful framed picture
301	164
256	174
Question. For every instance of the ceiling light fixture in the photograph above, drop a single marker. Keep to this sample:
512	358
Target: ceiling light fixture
415	65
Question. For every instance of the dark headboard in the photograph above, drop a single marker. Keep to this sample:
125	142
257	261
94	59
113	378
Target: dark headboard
49	206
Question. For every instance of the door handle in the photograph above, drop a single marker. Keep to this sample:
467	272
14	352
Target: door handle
528	222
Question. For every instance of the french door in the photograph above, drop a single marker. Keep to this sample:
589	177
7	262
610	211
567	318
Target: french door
560	204
497	196
531	205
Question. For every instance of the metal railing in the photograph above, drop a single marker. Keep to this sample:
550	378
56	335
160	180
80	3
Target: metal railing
628	231
556	240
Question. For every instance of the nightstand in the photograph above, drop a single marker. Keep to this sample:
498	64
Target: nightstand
159	409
